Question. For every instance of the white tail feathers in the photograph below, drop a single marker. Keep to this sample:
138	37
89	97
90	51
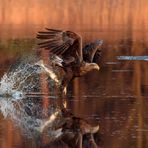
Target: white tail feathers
40	63
56	60
49	71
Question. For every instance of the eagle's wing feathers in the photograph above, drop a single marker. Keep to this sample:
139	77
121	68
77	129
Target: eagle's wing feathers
59	42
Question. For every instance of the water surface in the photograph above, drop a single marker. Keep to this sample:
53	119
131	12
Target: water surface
115	97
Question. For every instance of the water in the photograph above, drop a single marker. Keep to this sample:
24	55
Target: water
20	99
115	97
139	58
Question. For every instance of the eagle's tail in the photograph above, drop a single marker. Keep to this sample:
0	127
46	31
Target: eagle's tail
56	60
39	63
49	71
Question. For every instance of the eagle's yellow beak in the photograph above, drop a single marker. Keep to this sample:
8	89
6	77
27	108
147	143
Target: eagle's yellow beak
96	66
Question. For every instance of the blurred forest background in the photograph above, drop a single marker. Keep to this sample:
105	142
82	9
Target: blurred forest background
24	18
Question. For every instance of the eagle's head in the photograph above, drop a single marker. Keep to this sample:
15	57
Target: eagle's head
97	44
92	66
92	49
86	67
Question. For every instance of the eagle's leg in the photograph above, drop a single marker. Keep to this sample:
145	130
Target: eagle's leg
67	78
63	87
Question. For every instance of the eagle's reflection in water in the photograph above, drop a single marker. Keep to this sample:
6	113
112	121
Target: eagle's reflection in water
55	124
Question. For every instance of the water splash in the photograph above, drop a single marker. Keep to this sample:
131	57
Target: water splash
22	79
19	79
31	117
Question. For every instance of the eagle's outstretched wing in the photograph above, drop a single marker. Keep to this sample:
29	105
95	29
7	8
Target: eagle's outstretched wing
91	50
64	43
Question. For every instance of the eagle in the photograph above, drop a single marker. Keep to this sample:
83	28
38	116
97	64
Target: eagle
67	51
